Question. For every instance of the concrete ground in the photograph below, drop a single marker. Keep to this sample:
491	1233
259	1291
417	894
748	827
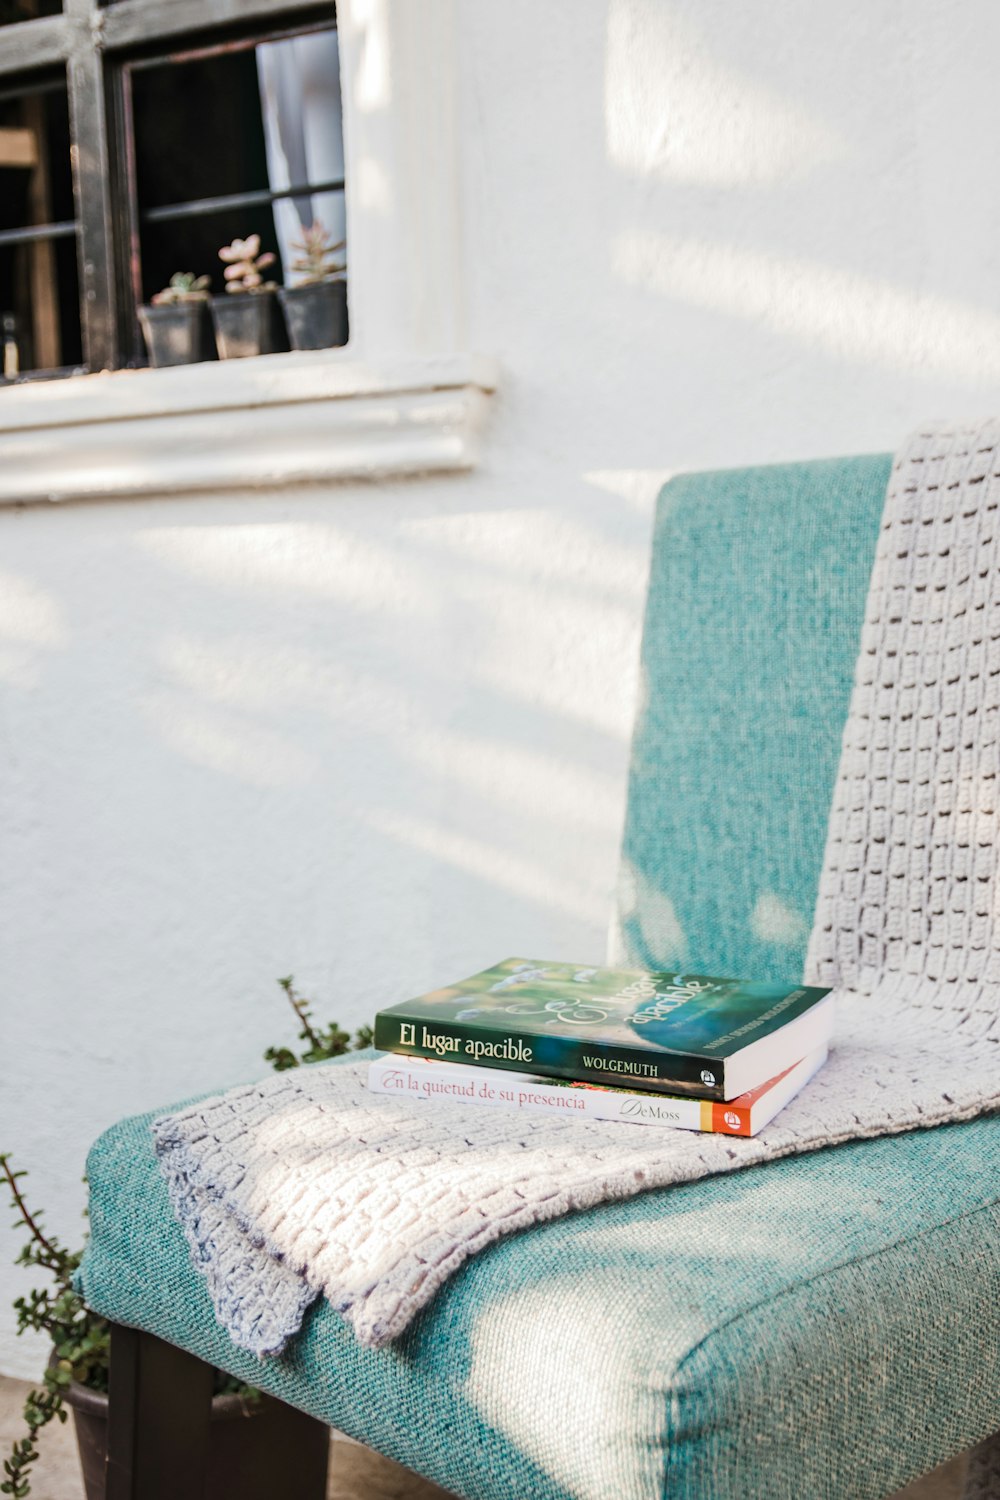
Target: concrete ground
355	1472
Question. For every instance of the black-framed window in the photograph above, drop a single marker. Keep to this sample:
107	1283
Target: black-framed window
137	138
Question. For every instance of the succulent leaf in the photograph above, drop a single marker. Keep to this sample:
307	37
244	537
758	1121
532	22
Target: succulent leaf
321	258
184	286
244	264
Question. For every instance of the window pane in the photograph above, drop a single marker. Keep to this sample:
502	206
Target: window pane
12	11
267	118
303	133
39	289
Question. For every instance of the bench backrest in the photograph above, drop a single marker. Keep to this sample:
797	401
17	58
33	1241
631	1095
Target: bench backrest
757	590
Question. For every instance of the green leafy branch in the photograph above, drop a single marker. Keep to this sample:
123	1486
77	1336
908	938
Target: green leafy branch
80	1339
323	1042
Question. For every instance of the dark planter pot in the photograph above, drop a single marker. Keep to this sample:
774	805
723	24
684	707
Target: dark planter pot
177	333
315	315
247	323
257	1449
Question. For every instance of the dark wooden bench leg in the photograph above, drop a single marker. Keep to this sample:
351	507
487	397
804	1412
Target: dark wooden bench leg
983	1474
164	1445
159	1407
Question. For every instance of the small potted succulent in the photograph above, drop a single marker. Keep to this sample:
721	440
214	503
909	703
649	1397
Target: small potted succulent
316	306
246	317
175	323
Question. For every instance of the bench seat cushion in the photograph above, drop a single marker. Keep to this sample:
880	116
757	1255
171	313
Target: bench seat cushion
826	1325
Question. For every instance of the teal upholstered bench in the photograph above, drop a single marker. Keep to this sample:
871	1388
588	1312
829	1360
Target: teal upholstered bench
826	1326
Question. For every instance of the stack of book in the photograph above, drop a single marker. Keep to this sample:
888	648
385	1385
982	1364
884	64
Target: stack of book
681	1050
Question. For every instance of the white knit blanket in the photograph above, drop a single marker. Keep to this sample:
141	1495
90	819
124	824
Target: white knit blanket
307	1184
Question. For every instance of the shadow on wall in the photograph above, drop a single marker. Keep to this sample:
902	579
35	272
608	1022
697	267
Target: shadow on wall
234	733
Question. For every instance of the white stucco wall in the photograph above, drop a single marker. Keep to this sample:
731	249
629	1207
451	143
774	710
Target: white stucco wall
377	735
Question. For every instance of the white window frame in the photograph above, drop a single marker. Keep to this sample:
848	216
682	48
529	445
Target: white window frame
403	396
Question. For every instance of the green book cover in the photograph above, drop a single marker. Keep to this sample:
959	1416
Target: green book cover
683	1032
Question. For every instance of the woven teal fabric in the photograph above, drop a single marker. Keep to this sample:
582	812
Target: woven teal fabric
756	596
823	1326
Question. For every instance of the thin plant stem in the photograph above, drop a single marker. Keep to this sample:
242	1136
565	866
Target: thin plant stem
299	1007
22	1208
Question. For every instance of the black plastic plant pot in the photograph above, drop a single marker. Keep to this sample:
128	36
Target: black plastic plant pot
316	314
247	323
257	1449
177	333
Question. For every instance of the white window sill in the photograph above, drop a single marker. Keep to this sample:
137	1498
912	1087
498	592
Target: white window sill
276	420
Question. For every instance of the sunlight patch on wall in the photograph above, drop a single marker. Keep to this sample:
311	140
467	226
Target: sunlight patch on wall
552	551
851	316
672	111
545	648
538	604
245	675
251	675
493	866
637	487
225	743
372	82
294	558
28	613
31	622
521	779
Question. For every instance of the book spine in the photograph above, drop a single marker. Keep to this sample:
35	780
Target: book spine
555	1056
516	1092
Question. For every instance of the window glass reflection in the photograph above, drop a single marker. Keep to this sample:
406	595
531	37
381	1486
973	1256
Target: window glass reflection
39	289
